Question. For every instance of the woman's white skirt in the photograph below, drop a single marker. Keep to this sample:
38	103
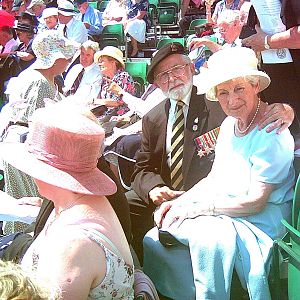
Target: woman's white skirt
137	30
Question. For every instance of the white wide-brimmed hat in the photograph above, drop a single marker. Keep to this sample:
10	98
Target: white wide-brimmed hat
110	51
35	2
48	46
50	11
66	8
228	64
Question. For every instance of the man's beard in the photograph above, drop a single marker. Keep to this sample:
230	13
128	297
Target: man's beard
179	93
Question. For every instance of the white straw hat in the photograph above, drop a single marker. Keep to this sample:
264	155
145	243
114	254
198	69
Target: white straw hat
110	51
48	12
66	8
228	64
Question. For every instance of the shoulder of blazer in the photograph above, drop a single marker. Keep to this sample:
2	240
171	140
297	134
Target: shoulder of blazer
197	105
160	111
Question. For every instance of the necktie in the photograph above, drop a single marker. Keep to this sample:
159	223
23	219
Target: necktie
75	84
65	31
177	141
82	17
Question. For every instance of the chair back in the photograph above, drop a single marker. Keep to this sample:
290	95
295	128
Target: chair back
138	70
102	5
93	4
165	41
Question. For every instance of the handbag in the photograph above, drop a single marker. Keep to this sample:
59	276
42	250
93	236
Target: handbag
144	288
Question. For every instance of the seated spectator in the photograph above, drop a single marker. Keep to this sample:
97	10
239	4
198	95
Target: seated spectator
24	51
33	88
8	44
152	184
91	17
114	13
137	23
185	20
37	7
17	284
229	25
83	216
83	80
110	61
230	218
50	16
220	6
70	27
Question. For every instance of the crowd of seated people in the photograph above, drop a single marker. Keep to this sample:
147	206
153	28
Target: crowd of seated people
99	79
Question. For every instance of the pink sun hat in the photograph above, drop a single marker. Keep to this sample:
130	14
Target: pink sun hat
62	149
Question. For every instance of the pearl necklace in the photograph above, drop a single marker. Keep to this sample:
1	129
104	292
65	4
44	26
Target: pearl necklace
251	122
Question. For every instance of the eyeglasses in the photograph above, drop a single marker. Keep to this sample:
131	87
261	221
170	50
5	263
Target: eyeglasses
176	71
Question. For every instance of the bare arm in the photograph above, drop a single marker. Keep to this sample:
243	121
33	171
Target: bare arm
286	39
198	42
213	204
68	266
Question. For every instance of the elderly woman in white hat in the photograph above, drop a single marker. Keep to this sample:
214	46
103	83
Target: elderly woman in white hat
32	89
230	218
112	67
82	248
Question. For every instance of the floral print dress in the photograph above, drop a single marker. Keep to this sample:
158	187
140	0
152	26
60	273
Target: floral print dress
126	82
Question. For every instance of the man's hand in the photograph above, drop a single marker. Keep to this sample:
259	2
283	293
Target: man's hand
161	194
256	41
280	115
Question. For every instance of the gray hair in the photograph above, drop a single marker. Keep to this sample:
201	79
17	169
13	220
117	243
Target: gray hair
90	45
252	79
228	16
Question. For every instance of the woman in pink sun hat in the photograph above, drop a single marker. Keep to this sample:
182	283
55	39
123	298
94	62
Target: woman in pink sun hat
82	248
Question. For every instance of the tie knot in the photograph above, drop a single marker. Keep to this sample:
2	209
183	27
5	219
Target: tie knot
180	103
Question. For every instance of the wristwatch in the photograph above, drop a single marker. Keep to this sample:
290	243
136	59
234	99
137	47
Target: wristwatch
267	46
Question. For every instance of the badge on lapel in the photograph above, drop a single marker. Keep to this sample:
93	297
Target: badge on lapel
206	142
195	124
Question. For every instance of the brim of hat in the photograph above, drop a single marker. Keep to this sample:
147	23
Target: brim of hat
93	182
205	81
66	13
41	64
154	63
103	53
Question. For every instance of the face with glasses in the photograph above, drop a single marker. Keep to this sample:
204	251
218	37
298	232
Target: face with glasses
229	31
174	76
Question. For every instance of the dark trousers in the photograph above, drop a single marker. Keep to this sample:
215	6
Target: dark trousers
284	88
141	215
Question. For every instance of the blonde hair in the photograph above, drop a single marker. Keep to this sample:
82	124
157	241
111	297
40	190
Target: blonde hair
212	93
15	284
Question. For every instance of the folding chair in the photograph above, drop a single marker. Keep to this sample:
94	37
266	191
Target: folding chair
138	70
165	41
195	23
289	248
102	5
93	4
113	35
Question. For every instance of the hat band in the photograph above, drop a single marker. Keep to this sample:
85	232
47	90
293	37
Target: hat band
57	162
66	9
